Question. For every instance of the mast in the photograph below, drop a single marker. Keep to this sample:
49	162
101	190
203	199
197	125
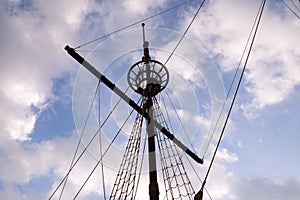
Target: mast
129	101
148	109
148	78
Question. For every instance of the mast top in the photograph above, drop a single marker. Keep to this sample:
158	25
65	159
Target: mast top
145	45
147	77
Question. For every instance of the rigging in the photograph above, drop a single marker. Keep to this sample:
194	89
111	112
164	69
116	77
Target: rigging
150	110
290	9
100	146
133	24
199	195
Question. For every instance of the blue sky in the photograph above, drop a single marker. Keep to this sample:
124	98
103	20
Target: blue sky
45	94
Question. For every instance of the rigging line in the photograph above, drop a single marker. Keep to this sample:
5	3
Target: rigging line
85	149
80	138
231	84
125	179
171	150
140	170
181	123
184	154
290	9
99	161
135	23
295	5
164	171
129	101
235	94
168	117
190	24
195	171
164	150
100	146
172	129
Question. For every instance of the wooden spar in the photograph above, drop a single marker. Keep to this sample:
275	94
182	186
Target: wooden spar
130	102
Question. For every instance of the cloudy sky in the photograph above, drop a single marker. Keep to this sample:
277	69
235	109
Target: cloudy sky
42	90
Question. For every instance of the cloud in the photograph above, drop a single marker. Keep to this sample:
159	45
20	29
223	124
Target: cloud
226	184
139	7
32	37
224	155
273	71
266	189
33	34
29	35
26	162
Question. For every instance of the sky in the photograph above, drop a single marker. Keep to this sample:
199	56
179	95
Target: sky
45	94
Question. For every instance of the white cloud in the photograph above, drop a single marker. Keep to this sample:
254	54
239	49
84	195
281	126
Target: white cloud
32	55
29	35
261	189
273	70
32	40
224	155
225	184
224	28
239	143
25	162
249	111
141	7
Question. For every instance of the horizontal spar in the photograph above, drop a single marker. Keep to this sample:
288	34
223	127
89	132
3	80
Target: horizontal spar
129	101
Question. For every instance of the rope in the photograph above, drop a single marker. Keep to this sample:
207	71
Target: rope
295	5
133	24
124	185
186	30
193	168
140	171
230	87
85	149
180	121
169	120
171	127
77	147
235	94
167	113
176	180
99	161
291	9
100	147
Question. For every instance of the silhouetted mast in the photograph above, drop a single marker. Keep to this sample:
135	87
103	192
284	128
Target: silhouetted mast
148	78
